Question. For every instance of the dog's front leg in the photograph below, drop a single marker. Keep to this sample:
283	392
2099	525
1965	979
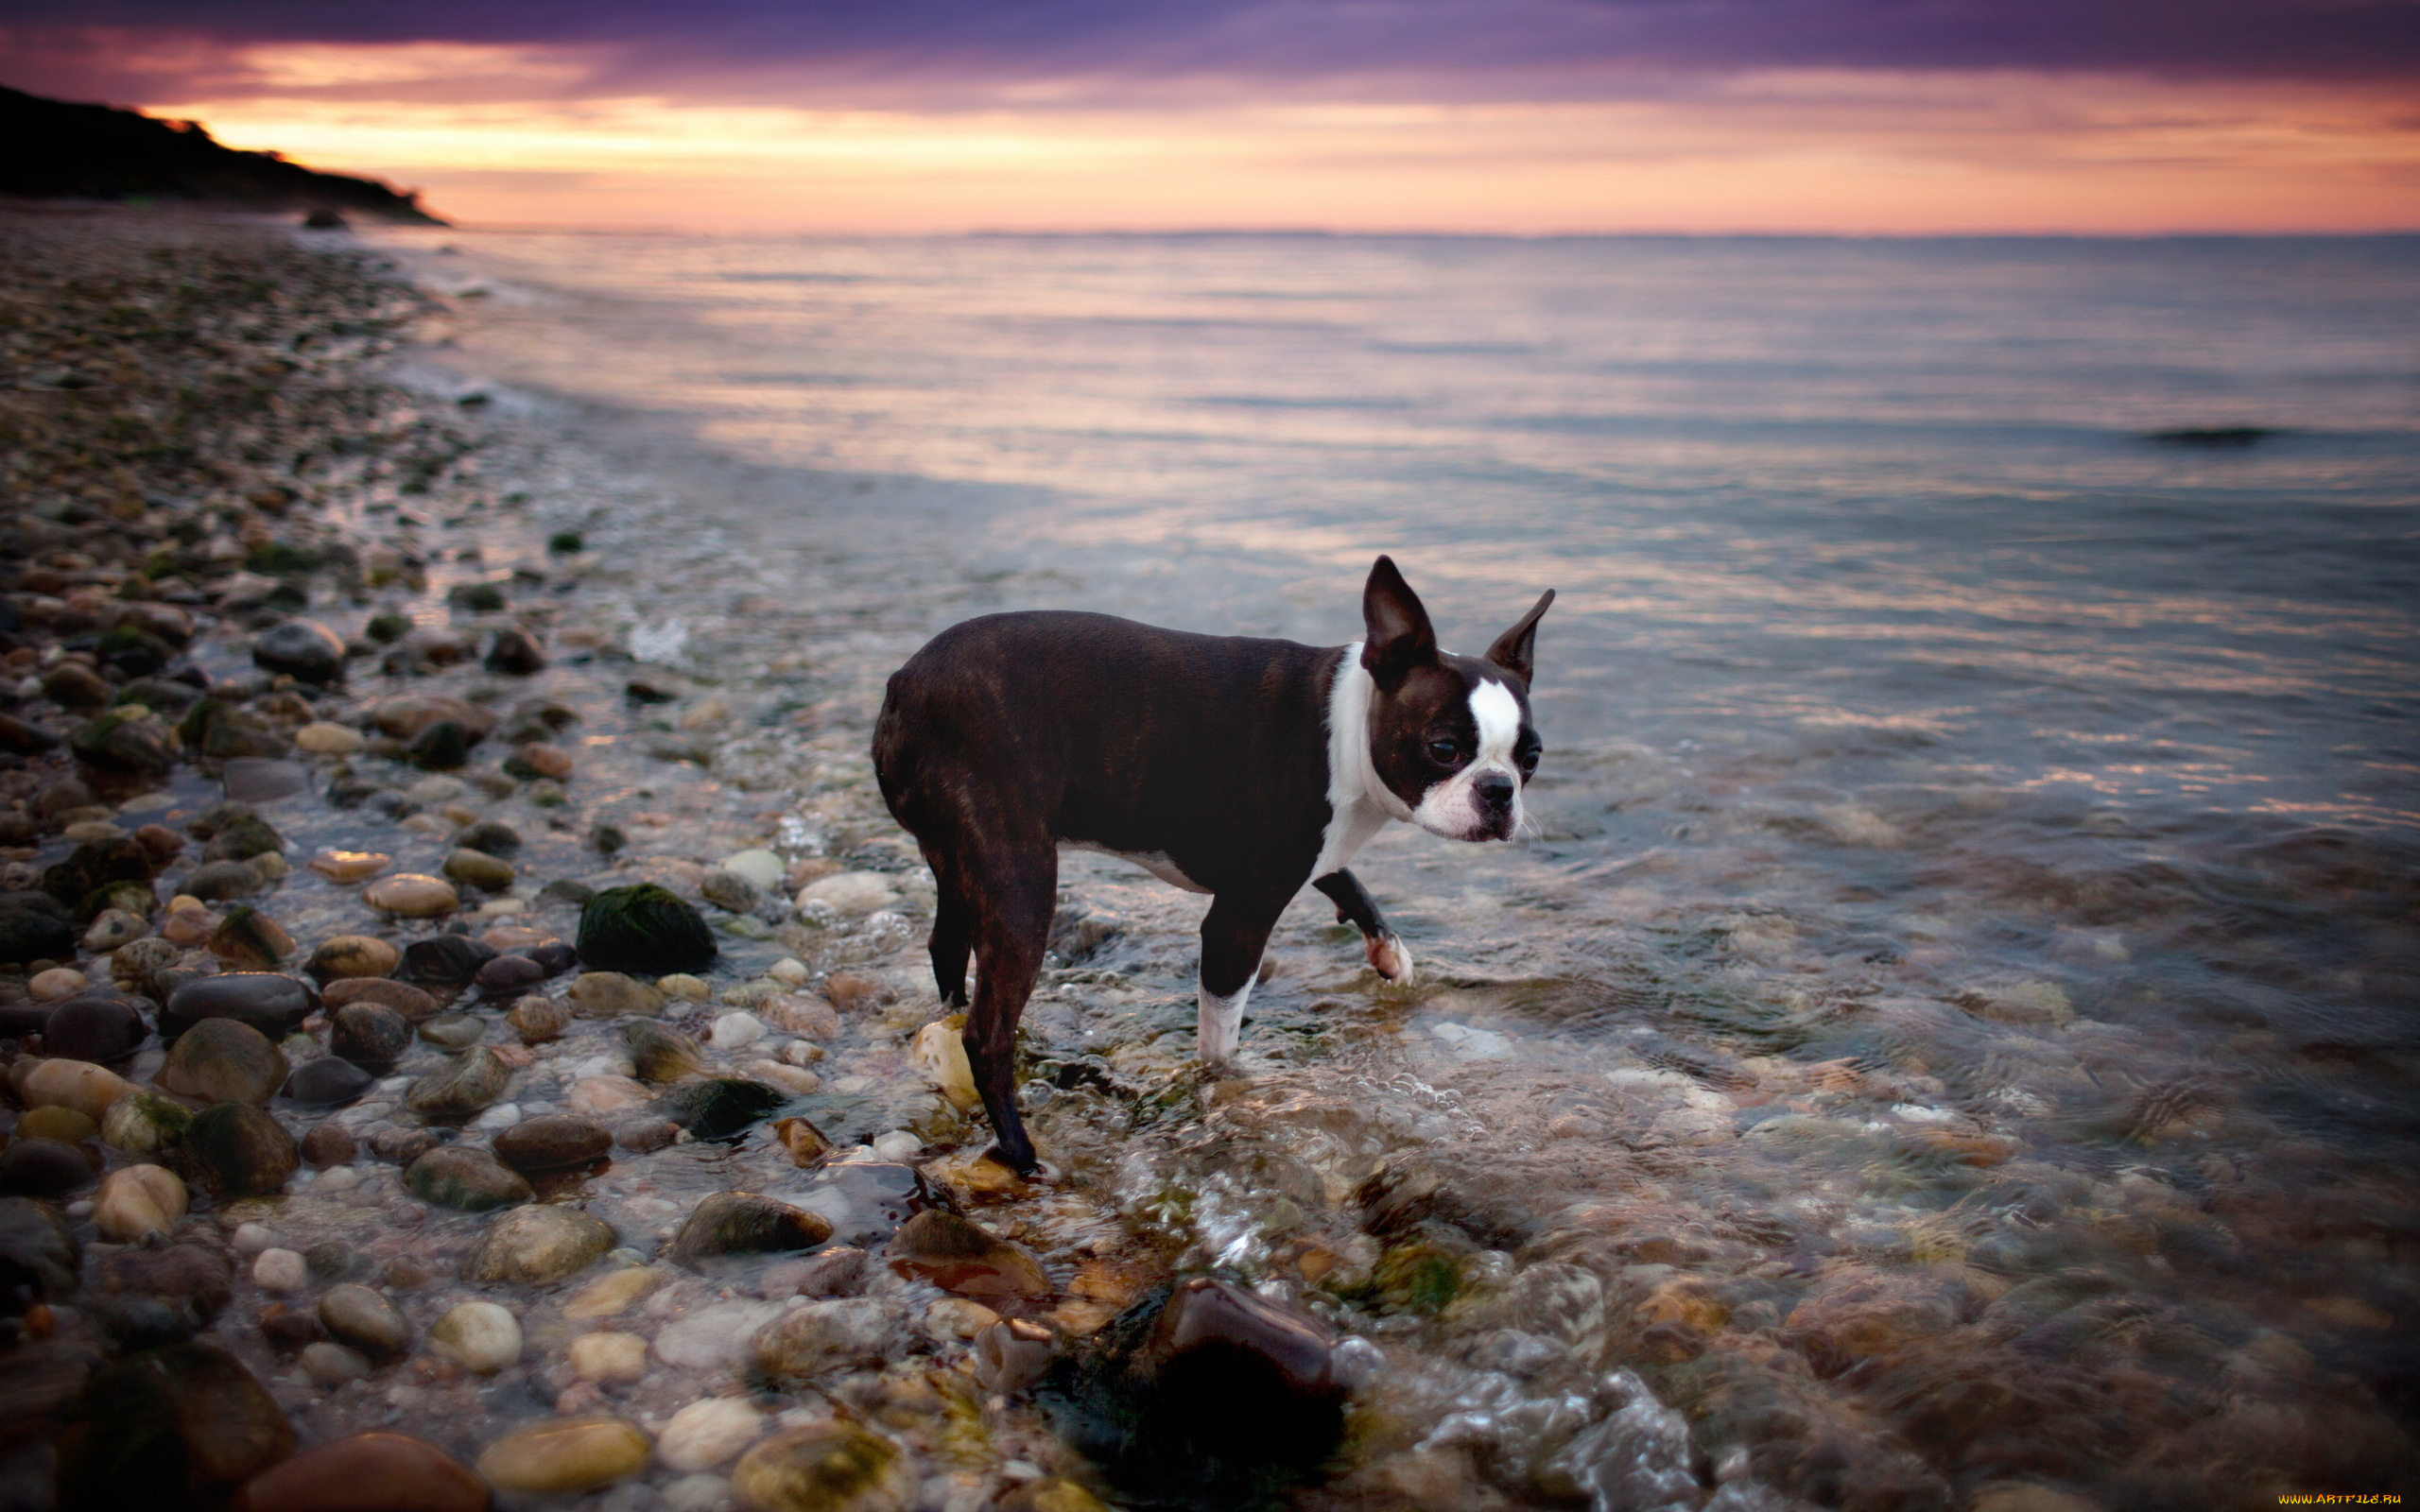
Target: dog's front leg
1389	955
1233	934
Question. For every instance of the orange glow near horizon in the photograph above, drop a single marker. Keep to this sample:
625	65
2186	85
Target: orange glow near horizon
1804	152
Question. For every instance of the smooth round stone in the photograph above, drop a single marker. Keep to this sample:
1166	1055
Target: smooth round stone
825	1468
88	1089
660	1053
544	760
552	1142
330	1144
411	895
113	928
331	1365
445	960
602	1096
323	738
454	1031
144	1122
223	1060
280	1270
740	1223
608	1357
684	987
368	1472
482	1336
568	1455
94	1029
849	892
611	1293
218	881
42	1168
476	1078
181	1426
476	869
806	1342
957	1255
646	930
612	995
645	1136
57	985
737	1031
954	1317
538	1020
415	1004
236	1150
719	1107
508	975
137	1200
252	1238
534	1245
790	972
326	1081
63	1124
360	1316
705	1433
761	868
349	955
369	1034
471	1181
714	1338
349	867
729	891
270	1002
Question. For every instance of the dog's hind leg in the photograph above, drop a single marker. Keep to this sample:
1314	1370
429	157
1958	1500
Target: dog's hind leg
1389	955
1233	935
1010	902
953	935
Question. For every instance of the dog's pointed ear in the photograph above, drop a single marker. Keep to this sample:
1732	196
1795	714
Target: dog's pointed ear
1400	637
1515	650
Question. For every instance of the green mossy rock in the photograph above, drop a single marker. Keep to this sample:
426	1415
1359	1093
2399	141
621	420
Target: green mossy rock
644	930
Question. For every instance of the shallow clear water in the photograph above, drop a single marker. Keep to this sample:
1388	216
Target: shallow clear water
1954	1025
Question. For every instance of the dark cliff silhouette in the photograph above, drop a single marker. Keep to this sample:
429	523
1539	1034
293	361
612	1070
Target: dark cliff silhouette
54	149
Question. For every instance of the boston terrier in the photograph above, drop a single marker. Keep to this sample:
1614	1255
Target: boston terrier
1236	767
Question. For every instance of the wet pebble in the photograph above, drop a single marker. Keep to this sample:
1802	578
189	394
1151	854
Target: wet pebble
111	928
369	1034
538	1020
643	929
42	1168
184	1425
454	1031
612	995
470	1180
411	895
706	1433
481	1336
144	1122
660	1053
475	1078
236	1150
65	1124
88	1089
327	1081
476	869
414	1004
736	1222
608	1357
445	960
960	1257
222	881
321	738
535	1245
714	1338
508	974
350	955
331	1365
719	1107
611	1293
566	1456
375	1471
302	648
359	1317
807	1342
604	1096
849	893
136	1201
330	1144
551	1142
830	1467
94	1029
221	1061
268	1001
349	867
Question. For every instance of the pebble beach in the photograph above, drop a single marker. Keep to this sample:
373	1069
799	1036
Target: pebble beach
469	1044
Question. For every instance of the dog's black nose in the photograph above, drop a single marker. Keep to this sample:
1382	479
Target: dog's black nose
1495	790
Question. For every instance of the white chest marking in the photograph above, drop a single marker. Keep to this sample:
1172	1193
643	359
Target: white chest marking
1359	804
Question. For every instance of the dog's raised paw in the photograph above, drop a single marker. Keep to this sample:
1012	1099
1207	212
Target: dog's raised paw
1389	957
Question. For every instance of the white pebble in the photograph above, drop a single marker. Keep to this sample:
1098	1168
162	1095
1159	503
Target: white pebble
482	1335
898	1146
704	1434
848	892
339	1179
80	1208
280	1270
789	972
714	1338
503	1115
763	868
252	1238
736	1031
684	986
694	1493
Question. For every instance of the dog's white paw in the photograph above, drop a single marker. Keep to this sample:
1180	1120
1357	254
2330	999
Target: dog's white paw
1389	957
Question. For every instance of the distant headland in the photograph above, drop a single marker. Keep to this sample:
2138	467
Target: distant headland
57	150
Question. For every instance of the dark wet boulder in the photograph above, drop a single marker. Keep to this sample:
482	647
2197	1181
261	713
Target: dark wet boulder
218	881
124	744
489	836
719	1106
221	730
376	1472
164	1294
270	1002
37	1255
447	960
236	1150
180	1427
1204	1394
515	653
91	869
370	1034
415	1004
305	650
552	1142
470	1180
742	1223
34	927
330	1144
443	746
645	930
96	1029
508	976
24	738
42	1168
224	1060
327	1081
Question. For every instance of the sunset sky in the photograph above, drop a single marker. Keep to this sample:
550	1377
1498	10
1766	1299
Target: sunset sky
1475	116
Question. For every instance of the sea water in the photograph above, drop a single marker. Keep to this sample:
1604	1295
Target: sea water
1952	1024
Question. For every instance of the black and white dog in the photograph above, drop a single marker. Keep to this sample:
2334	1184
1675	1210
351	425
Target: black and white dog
1241	768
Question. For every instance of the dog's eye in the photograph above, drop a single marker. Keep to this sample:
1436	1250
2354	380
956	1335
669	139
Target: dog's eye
1445	752
1526	755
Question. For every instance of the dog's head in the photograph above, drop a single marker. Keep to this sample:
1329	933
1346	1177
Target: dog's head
1449	735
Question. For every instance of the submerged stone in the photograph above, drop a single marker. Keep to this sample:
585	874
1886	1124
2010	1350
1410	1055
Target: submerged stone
552	1142
376	1472
719	1107
236	1150
326	1081
735	1222
568	1455
223	1060
960	1257
826	1468
181	1426
536	1246
94	1029
369	1034
471	1181
474	1079
660	1053
270	1002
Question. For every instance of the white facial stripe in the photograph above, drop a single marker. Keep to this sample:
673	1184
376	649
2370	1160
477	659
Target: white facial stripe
1452	808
